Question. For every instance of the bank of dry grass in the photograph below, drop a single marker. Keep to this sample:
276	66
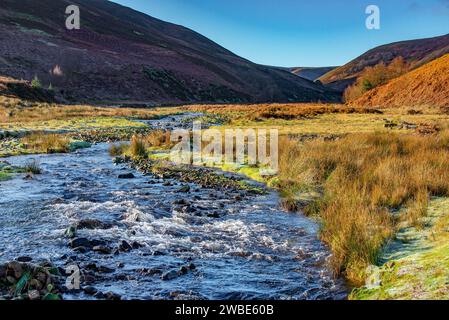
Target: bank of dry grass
362	179
46	143
17	111
290	111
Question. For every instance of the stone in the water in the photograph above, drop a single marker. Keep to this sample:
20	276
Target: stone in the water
136	245
188	209
24	259
90	290
86	243
93	224
102	249
170	275
184	189
80	249
103	269
125	246
112	296
80	242
126	176
88	278
99	295
180	201
183	270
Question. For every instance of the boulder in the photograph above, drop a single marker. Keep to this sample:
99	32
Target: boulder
102	249
80	242
93	224
170	275
184	189
125	246
126	176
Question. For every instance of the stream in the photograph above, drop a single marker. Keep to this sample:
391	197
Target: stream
248	248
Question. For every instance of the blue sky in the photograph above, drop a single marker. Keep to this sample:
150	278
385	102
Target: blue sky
299	32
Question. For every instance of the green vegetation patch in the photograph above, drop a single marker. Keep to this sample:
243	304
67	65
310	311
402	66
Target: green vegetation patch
7	170
417	264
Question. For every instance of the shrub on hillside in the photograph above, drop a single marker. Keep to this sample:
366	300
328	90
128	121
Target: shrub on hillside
36	83
375	76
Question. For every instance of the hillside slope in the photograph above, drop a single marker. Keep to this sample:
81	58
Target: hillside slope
415	52
427	85
121	55
311	73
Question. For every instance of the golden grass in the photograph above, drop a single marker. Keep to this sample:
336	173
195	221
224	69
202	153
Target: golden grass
290	111
362	178
137	148
46	143
118	149
157	138
14	111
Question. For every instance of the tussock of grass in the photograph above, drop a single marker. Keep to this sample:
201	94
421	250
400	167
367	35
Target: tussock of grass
157	138
46	143
4	176
137	148
118	149
32	167
362	179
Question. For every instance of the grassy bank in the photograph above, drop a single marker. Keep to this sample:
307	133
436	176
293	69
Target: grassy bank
40	143
19	111
362	179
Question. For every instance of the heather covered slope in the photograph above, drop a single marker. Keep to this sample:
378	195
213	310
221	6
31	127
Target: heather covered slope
121	55
414	52
427	85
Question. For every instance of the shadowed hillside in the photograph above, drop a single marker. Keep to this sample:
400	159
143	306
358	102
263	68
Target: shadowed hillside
311	73
427	85
415	53
121	55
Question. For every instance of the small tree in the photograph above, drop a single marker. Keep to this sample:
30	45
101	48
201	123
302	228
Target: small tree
36	83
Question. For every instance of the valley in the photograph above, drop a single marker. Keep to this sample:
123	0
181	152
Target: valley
93	206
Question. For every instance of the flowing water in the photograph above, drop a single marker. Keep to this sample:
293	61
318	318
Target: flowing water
250	250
